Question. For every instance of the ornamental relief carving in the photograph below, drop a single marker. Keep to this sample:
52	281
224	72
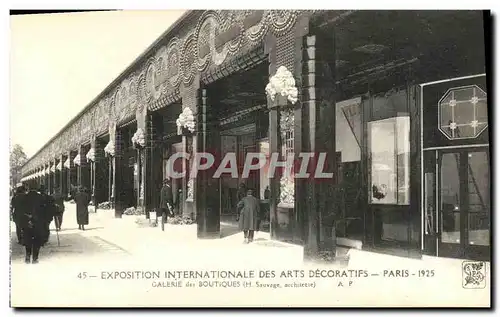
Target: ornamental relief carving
216	36
189	60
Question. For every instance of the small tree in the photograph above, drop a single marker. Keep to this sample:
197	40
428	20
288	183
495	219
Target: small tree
17	159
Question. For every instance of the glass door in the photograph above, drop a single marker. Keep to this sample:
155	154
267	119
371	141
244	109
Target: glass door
463	229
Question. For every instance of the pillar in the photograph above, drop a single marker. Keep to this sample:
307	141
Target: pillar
207	187
85	168
62	177
79	167
92	165
117	162
319	137
68	174
154	155
101	172
286	50
55	185
47	177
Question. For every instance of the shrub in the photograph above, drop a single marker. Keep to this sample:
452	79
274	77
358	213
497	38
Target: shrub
180	220
134	211
104	205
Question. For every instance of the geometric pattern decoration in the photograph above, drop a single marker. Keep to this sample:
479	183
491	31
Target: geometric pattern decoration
463	112
205	42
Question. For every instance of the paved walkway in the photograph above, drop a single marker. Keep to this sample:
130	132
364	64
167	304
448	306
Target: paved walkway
75	272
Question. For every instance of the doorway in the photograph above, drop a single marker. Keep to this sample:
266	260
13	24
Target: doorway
457	201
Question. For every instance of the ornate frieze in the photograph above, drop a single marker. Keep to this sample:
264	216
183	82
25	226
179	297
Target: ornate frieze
210	41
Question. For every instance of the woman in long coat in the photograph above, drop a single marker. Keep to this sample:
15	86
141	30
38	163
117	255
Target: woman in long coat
82	200
249	208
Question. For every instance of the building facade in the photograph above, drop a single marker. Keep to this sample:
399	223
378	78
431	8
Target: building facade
397	100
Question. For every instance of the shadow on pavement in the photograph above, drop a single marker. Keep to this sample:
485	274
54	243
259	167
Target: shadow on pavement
227	230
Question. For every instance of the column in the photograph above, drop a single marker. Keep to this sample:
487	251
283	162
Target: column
55	184
92	164
319	137
47	177
286	50
68	174
207	187
101	172
274	182
111	183
85	169
117	177
154	156
79	167
62	177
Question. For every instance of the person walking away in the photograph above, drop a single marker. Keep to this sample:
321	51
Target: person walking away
82	200
18	207
249	210
240	194
166	200
34	225
47	212
59	210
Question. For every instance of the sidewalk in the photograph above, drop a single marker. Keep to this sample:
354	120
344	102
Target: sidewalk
76	274
146	242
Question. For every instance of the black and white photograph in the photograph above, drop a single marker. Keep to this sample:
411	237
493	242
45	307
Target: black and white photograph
251	158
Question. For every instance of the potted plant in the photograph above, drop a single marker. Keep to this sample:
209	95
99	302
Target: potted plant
91	155
185	122
282	84
139	139
109	149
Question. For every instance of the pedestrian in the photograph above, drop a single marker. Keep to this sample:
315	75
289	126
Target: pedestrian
267	192
242	191
166	200
249	210
34	225
18	207
59	208
47	212
82	200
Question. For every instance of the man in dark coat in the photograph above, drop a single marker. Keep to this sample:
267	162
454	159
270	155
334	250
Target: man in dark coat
34	225
249	210
59	210
48	211
18	207
166	200
82	200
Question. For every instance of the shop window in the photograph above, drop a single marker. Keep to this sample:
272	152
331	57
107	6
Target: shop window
389	149
463	112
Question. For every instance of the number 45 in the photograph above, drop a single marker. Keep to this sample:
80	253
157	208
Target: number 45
82	275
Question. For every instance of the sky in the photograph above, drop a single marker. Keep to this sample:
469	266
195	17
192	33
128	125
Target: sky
60	62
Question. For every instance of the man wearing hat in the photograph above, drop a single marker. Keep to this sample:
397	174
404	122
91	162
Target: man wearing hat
34	224
18	206
249	210
48	211
59	210
166	200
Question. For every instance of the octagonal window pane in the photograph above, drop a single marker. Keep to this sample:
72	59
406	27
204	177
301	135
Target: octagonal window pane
482	112
463	112
446	114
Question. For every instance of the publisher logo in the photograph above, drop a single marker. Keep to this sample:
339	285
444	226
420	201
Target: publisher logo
473	274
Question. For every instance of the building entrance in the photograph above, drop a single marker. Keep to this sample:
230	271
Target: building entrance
456	217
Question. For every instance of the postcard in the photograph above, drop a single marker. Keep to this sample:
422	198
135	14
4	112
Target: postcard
250	158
